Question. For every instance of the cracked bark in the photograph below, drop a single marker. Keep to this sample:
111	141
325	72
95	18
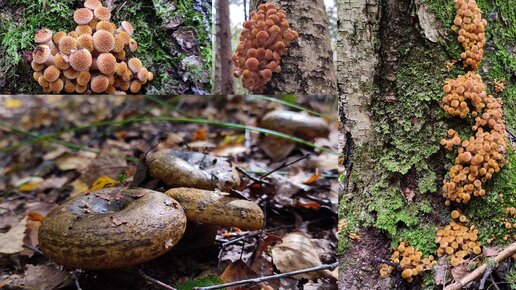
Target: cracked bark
223	67
308	69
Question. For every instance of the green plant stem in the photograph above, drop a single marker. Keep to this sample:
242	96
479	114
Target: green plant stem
52	136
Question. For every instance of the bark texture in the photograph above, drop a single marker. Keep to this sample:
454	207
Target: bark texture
223	67
356	63
308	69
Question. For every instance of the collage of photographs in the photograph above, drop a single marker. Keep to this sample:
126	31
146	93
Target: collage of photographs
250	144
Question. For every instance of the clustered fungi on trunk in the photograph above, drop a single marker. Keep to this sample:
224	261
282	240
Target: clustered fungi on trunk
479	157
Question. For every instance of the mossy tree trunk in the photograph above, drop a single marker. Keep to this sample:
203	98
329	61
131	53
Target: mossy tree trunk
223	67
308	69
392	63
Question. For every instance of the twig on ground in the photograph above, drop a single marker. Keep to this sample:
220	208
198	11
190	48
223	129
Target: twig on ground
283	165
252	234
484	278
255	281
154	281
256	180
504	254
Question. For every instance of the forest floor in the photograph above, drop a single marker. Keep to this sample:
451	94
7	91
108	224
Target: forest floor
56	147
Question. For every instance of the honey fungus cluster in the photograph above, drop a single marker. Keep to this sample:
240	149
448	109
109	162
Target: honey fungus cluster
263	41
457	240
95	57
410	260
478	159
470	27
461	93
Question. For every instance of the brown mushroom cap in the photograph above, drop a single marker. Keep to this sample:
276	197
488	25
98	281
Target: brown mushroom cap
143	75
57	37
125	36
86	41
84	29
43	35
107	26
92	4
103	41
61	61
69	87
73	34
136	86
41	54
83	78
80	89
81	59
99	83
121	68
70	73
119	43
106	63
67	44
135	64
102	13
51	73
128	27
37	66
133	45
82	16
56	86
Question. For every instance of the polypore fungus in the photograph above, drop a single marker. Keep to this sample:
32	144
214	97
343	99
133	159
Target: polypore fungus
410	260
263	41
97	48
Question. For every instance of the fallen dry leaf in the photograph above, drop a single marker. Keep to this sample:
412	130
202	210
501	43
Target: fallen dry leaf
13	104
31	236
440	271
54	182
313	178
78	161
297	252
29	183
239	270
44	277
460	271
12	241
103	182
108	163
200	135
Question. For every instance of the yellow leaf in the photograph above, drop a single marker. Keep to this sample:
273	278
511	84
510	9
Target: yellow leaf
78	188
13	104
31	183
103	182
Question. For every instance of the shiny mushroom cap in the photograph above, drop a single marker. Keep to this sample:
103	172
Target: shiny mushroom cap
103	41
81	60
82	16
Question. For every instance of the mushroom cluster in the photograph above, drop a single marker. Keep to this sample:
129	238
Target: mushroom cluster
478	159
465	89
263	41
93	57
410	260
457	240
499	86
470	27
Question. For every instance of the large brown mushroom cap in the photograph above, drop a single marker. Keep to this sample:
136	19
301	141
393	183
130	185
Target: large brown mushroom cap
103	41
81	59
99	84
138	226
82	16
106	63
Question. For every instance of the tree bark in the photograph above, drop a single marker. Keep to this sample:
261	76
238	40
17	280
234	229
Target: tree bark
223	67
308	69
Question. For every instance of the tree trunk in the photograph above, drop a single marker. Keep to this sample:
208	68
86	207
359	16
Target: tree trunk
392	64
223	67
308	69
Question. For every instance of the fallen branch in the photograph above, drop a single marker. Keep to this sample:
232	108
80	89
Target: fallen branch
484	278
507	252
255	281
